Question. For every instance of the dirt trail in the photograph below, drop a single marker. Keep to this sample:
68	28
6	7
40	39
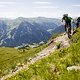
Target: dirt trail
47	51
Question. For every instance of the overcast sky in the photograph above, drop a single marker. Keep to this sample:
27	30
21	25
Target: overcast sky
41	8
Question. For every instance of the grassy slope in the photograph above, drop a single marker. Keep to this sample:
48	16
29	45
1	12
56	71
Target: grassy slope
10	58
54	66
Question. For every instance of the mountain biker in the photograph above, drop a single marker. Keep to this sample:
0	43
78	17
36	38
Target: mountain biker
67	21
78	22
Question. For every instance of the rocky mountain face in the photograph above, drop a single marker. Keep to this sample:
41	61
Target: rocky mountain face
27	30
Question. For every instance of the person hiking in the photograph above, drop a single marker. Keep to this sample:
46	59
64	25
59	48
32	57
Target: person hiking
78	22
67	25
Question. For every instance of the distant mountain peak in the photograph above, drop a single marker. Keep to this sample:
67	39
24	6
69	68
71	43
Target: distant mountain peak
27	30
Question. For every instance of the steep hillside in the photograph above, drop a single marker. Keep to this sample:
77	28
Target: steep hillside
3	28
45	52
27	30
55	66
25	33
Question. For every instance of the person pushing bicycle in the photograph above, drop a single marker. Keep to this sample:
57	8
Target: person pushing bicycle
67	25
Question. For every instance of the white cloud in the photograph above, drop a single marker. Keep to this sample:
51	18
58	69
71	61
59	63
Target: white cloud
42	2
7	3
77	5
4	4
46	7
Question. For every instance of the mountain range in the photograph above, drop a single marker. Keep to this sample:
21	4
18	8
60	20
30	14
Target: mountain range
15	32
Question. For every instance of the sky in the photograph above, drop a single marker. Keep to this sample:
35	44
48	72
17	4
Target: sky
39	8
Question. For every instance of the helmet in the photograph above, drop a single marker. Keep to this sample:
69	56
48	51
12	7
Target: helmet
65	15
